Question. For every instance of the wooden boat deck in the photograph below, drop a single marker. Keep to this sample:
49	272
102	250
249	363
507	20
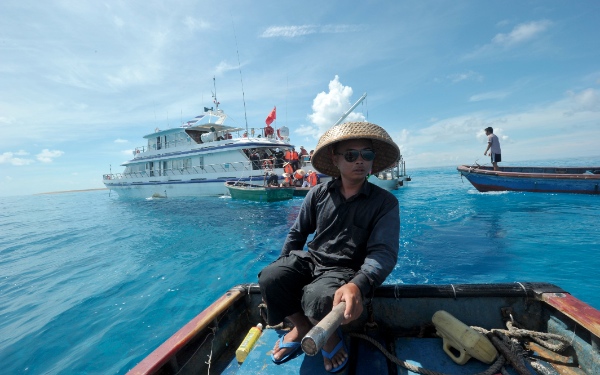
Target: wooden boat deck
364	358
403	326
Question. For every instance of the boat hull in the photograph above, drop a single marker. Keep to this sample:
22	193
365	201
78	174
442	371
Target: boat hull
400	318
579	180
301	191
259	193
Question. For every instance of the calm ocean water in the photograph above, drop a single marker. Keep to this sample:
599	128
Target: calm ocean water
90	283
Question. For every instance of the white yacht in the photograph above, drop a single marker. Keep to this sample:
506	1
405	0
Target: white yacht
198	157
391	178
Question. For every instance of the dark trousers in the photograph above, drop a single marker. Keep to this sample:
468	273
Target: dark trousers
291	284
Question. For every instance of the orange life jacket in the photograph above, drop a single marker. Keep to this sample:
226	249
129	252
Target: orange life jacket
294	155
288	169
312	179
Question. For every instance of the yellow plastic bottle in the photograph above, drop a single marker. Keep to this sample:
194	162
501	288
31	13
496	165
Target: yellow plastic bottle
463	339
244	349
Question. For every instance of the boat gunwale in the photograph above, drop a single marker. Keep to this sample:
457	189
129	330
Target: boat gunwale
163	353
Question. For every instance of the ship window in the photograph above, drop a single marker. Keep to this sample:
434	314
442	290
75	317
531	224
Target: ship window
201	162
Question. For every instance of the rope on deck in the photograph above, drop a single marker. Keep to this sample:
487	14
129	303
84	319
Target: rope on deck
494	368
507	341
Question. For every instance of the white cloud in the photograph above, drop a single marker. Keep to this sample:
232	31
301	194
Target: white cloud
521	33
302	30
195	24
225	67
491	95
469	75
9	158
118	21
329	106
119	140
586	100
47	156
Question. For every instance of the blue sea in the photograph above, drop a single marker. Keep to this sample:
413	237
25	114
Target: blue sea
91	283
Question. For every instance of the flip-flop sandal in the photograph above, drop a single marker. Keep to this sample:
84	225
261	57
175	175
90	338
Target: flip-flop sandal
337	348
283	345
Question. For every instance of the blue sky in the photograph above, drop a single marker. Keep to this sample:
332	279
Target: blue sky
82	82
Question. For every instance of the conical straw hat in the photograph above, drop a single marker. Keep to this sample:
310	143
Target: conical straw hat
386	151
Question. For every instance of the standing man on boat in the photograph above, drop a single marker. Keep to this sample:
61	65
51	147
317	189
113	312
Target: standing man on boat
356	228
493	146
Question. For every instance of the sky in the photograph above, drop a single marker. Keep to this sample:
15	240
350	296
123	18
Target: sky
81	82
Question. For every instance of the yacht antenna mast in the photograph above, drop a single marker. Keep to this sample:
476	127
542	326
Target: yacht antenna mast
215	94
240	69
350	110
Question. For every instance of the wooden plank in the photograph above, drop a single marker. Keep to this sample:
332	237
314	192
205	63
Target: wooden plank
584	314
564	365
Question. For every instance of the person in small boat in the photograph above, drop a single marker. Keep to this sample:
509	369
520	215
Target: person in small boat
272	179
287	180
356	228
493	147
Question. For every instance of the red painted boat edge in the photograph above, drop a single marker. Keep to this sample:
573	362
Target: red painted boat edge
167	349
579	311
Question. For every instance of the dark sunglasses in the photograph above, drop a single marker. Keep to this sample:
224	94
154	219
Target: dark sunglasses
352	155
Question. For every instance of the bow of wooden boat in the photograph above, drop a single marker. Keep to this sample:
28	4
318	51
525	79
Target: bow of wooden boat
399	322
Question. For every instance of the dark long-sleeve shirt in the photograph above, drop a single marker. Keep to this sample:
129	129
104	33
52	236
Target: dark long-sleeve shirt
361	233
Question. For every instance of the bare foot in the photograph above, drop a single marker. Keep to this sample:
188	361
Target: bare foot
339	357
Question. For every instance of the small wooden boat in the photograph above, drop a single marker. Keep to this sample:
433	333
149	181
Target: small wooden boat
581	180
301	191
242	190
396	334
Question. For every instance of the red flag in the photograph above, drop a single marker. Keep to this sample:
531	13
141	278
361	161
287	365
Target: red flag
272	116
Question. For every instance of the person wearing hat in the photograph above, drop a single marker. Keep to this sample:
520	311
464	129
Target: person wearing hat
356	228
493	146
287	168
287	180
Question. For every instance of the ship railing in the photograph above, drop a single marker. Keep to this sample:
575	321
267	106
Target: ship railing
223	136
207	168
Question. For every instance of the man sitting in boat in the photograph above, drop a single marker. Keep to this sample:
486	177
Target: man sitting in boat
356	228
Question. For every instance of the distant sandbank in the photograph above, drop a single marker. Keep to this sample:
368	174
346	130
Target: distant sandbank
70	191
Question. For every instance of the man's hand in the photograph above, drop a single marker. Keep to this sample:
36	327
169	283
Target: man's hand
350	294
